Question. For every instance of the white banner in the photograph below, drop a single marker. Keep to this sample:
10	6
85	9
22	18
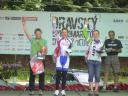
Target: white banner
14	41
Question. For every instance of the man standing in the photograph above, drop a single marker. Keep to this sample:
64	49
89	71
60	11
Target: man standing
113	47
38	47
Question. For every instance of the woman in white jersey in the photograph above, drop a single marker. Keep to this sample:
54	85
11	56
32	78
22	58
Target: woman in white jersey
93	59
62	61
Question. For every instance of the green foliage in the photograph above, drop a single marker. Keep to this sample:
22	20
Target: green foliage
29	5
66	5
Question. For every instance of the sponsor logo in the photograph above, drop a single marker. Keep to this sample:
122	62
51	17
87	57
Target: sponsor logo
118	20
20	34
120	37
27	49
12	18
31	19
19	18
20	49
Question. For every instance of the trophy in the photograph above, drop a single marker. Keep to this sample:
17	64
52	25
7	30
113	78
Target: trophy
41	54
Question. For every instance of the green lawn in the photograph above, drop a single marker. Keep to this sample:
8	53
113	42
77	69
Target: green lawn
69	93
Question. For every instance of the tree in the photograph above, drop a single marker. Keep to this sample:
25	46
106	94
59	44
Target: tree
28	5
66	5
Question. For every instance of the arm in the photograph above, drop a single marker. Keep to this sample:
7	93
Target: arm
118	49
24	28
107	49
85	32
86	52
100	50
114	50
54	25
44	48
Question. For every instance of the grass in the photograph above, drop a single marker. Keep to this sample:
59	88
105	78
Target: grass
23	72
23	75
69	93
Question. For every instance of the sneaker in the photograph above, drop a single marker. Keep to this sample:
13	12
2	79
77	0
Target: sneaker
63	93
90	93
31	92
56	93
40	92
104	89
96	93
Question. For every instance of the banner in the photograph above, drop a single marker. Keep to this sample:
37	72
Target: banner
14	41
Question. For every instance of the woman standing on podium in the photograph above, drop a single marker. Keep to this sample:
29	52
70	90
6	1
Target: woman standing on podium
37	56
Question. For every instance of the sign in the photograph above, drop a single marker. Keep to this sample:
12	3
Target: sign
14	41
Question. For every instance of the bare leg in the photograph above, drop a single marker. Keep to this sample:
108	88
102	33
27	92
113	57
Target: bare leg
91	86
106	78
96	87
116	79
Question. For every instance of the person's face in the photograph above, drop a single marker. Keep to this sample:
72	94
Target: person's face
95	35
64	33
111	35
38	34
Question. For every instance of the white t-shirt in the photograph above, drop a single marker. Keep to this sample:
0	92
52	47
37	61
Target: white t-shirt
64	45
92	51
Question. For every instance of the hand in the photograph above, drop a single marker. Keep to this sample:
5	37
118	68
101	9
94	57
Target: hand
24	23
54	19
108	49
44	50
113	50
68	50
99	51
24	28
86	22
23	19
